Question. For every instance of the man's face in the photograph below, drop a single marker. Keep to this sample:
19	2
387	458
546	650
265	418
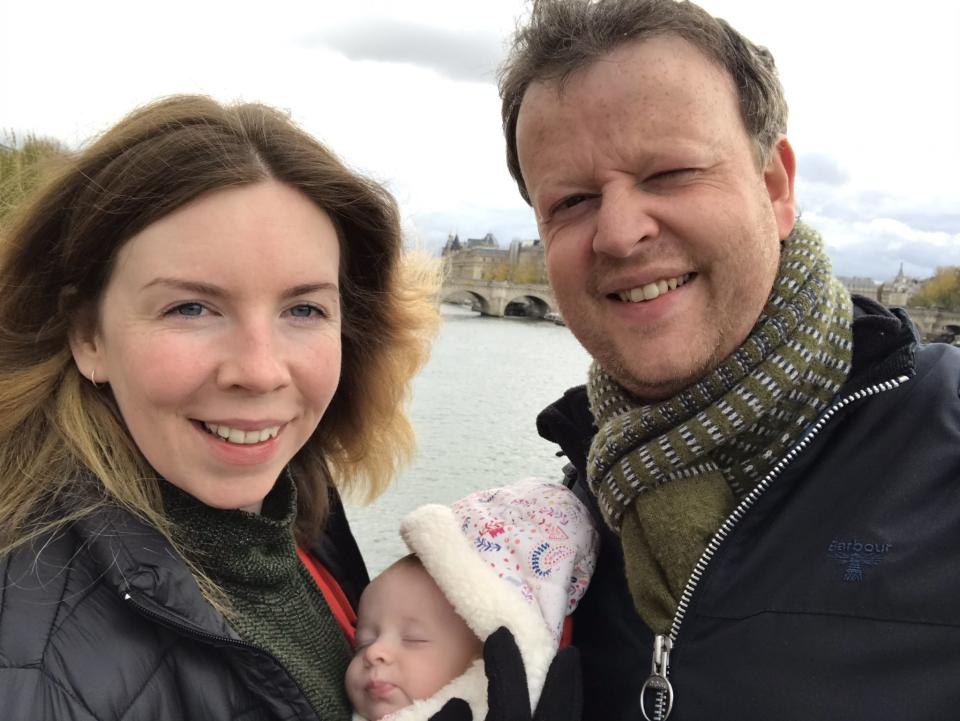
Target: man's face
662	235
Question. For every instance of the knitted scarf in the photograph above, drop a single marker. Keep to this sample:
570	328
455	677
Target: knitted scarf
666	475
275	601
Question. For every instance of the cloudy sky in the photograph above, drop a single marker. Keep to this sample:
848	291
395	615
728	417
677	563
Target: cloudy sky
405	91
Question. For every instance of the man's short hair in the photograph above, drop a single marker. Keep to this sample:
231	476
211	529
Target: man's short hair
562	36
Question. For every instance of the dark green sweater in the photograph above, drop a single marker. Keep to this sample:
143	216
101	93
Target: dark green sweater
275	602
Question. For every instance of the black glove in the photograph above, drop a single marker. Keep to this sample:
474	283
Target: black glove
508	698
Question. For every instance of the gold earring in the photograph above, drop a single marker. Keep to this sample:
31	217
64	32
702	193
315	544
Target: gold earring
93	378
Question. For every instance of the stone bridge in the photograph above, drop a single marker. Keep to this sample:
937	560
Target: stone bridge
491	297
934	323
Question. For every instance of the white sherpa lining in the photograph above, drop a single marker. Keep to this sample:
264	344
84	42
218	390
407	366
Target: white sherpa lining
476	591
471	686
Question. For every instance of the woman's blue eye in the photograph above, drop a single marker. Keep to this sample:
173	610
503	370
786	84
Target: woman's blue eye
304	311
188	309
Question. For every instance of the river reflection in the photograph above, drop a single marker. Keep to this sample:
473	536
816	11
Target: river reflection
474	409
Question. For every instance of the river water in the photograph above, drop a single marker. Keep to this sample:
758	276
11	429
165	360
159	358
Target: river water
474	409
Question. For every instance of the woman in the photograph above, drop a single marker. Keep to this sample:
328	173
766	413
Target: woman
206	328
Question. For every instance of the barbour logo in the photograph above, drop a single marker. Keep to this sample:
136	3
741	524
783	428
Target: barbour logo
855	557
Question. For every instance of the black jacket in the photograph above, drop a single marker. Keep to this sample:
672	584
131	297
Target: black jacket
832	594
104	622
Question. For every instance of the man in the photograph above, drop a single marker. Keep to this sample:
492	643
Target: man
777	536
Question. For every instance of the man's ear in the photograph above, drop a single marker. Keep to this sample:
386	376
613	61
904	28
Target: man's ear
87	350
778	177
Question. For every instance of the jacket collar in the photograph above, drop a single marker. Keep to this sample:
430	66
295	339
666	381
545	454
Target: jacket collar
143	568
884	346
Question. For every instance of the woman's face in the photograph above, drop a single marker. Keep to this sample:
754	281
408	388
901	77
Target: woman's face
219	334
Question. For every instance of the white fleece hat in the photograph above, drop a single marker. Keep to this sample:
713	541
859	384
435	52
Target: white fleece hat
519	556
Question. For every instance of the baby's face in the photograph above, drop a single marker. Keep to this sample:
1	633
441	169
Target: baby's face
410	642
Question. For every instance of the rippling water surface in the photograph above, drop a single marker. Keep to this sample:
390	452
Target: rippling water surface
474	410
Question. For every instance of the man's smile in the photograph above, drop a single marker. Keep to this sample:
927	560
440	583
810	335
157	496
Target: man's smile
652	290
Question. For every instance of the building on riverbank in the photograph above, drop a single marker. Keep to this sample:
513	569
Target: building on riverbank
484	259
896	292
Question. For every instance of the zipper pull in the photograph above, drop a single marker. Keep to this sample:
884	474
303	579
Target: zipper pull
657	683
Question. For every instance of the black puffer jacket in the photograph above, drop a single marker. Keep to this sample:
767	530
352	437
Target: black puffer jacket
105	623
836	595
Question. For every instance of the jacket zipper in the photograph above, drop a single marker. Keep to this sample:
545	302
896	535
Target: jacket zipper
205	636
185	629
658	682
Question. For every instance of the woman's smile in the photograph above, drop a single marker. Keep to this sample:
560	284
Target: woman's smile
230	453
235	433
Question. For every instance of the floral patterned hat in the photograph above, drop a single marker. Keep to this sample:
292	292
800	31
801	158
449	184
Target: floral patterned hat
519	556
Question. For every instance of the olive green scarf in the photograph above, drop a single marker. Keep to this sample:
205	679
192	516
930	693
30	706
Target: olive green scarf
666	475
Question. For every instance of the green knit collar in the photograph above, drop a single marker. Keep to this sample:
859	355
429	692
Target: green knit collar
234	546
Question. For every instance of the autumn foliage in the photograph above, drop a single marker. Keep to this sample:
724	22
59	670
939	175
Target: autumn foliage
941	291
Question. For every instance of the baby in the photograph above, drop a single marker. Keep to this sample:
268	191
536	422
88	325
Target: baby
518	556
410	642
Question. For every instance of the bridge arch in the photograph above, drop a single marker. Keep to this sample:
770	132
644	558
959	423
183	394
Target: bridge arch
480	302
535	305
492	297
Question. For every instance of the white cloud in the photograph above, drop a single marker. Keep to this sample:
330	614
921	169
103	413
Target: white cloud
877	247
472	57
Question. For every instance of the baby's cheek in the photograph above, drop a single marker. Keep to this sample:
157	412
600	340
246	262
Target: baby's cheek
352	680
429	673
